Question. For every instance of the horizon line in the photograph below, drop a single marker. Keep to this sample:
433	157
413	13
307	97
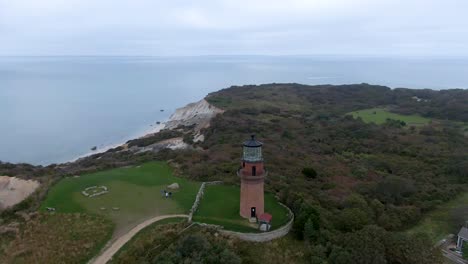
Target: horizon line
250	55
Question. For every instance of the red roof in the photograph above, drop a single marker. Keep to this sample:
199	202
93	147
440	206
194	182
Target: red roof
265	217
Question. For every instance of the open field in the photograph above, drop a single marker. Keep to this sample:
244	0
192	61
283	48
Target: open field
58	238
380	116
445	219
220	206
134	194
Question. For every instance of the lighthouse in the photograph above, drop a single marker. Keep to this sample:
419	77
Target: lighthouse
252	175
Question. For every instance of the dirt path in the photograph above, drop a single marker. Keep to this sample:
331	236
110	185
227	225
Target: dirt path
109	251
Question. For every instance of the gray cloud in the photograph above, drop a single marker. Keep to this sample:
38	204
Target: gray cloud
274	27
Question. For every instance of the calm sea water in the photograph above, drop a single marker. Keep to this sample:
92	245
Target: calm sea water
54	109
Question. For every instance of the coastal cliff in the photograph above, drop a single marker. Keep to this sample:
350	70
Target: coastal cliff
197	114
183	128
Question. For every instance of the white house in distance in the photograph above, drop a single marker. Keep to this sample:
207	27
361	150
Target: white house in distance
462	237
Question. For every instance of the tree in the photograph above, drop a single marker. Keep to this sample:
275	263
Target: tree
393	188
355	201
317	254
389	221
193	245
197	249
309	172
340	256
310	230
411	249
377	207
366	245
465	250
306	214
351	219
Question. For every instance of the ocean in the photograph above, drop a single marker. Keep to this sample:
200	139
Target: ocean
55	109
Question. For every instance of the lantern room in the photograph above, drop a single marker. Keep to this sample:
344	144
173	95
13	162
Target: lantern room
252	150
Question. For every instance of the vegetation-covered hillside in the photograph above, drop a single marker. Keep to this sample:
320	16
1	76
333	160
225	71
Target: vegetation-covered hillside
356	186
353	185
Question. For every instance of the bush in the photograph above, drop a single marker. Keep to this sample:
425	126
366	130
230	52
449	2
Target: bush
197	249
465	251
162	135
188	138
309	173
351	219
307	221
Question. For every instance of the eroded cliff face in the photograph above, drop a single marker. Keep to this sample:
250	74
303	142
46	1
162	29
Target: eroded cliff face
14	190
188	120
197	114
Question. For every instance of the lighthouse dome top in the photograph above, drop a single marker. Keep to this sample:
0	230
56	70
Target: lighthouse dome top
252	142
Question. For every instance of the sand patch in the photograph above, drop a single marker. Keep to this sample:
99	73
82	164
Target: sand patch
14	190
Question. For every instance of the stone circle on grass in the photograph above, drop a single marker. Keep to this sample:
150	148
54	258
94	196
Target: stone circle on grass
95	191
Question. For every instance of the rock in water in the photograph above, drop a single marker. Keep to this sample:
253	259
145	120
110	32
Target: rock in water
94	148
173	186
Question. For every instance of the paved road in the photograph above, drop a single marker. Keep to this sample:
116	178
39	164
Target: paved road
452	257
111	249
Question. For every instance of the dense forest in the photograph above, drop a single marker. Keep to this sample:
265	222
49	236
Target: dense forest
354	187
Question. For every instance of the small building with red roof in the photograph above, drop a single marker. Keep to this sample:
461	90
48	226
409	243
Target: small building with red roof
264	222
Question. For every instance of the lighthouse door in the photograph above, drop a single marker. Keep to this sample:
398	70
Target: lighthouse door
253	212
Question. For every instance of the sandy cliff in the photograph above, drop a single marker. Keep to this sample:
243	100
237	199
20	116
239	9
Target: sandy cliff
14	190
198	114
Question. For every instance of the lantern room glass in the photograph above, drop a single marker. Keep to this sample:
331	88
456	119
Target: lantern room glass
252	154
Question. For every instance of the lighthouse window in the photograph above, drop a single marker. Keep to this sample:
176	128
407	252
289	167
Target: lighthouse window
254	171
252	154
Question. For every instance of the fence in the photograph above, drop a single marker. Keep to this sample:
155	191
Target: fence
199	197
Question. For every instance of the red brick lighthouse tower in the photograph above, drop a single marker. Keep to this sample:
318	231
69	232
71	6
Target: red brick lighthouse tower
252	175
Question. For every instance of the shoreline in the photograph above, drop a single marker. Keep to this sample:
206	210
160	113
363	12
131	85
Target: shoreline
155	129
197	113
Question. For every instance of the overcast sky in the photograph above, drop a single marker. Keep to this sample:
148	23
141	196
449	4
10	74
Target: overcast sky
210	27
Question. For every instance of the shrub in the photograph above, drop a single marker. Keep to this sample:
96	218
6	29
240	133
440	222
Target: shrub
465	250
309	172
197	249
162	135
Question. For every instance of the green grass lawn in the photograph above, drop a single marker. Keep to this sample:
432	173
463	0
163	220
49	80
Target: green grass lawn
380	116
439	222
135	191
221	203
